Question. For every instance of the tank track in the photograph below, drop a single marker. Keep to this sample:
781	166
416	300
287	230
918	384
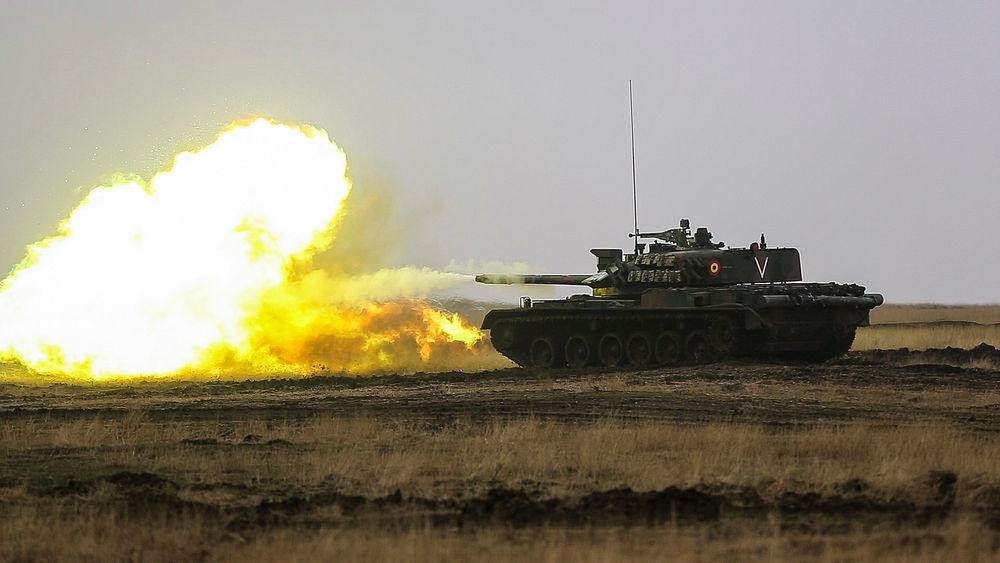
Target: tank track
641	338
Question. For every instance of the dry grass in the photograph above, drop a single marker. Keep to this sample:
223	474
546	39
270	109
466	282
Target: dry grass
921	327
928	313
61	532
964	540
365	455
375	457
926	336
72	531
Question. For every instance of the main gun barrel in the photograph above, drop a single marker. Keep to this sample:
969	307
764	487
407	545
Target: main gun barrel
542	279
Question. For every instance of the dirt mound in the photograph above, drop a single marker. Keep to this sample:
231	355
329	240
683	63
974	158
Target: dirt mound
983	355
516	507
850	501
128	480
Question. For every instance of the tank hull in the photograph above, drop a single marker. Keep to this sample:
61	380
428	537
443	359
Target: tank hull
693	325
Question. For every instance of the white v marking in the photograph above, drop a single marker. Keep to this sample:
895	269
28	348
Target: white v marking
761	268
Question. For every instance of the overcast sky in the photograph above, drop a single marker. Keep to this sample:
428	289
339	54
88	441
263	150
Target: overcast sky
867	134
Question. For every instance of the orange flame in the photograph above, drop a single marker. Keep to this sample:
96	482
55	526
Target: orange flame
205	269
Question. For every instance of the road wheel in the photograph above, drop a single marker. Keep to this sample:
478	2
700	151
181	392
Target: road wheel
577	351
697	348
542	352
724	335
639	350
667	349
611	351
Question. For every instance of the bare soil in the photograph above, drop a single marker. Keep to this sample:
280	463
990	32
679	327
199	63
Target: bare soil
785	393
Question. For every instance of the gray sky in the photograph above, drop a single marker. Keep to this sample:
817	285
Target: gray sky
866	134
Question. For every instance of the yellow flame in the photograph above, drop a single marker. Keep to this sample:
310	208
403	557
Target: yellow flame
205	268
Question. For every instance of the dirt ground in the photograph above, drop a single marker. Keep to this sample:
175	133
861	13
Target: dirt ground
880	455
891	386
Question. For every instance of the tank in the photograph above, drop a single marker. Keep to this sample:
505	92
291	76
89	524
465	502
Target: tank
681	298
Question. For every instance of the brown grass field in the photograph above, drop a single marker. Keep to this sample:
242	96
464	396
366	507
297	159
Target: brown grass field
919	327
876	456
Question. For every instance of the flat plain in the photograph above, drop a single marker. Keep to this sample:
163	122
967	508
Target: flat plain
881	455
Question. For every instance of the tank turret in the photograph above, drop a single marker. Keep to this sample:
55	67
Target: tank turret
681	297
678	260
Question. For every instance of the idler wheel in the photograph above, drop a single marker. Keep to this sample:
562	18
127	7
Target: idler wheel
577	351
639	349
667	349
502	336
697	347
837	345
611	350
542	352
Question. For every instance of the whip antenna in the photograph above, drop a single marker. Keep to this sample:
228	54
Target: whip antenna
635	205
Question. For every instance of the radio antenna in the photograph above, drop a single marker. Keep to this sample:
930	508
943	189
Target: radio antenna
635	205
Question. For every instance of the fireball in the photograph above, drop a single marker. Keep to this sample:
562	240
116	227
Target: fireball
206	269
